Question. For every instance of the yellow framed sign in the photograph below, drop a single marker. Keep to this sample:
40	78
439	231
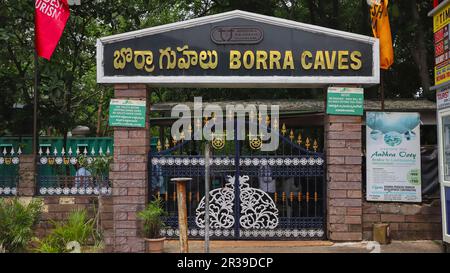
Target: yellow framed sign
441	20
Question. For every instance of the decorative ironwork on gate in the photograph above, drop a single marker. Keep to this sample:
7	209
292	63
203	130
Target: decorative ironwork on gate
9	170
281	193
58	173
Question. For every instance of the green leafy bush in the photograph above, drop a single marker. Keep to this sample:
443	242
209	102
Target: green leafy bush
151	216
78	228
17	221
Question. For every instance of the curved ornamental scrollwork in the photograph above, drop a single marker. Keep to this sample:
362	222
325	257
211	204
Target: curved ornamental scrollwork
220	208
258	211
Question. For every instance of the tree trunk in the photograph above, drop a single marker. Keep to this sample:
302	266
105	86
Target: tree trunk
335	18
312	16
365	22
419	50
99	113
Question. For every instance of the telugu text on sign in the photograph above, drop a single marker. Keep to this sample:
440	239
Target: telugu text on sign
183	58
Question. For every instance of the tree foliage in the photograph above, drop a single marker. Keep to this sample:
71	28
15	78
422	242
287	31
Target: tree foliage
70	96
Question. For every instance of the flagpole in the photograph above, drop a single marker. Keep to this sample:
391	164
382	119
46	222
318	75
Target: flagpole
382	89
35	103
35	112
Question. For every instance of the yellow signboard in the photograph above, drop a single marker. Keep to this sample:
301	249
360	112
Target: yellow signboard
441	22
442	74
442	18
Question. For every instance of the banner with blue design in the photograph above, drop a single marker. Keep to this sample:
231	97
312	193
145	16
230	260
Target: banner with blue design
393	157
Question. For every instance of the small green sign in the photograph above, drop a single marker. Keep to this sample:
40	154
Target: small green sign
127	113
345	101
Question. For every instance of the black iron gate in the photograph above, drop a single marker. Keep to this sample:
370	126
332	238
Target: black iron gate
281	193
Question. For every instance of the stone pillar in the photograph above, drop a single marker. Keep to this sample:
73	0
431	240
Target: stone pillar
343	142
27	179
129	176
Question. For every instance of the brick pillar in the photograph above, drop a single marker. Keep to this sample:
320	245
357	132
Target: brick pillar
129	176
343	142
27	179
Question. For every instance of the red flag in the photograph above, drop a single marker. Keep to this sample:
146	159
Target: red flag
50	20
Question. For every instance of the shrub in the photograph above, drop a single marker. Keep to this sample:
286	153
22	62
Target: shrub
78	228
17	221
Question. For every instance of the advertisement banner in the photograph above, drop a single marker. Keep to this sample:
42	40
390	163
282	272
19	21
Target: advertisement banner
442	73
441	22
393	157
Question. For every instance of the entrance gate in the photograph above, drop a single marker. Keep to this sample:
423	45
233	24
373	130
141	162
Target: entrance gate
240	50
281	193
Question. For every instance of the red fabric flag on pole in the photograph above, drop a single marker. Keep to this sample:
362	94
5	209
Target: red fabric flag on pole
50	20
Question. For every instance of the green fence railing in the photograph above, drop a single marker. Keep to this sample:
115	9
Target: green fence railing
57	172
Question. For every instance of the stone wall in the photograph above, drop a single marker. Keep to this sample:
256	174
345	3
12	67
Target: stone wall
26	184
129	176
344	177
407	221
58	208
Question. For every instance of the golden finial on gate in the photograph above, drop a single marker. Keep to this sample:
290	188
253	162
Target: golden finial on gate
190	129
198	123
166	144
299	139
291	196
283	129
267	120
275	197
307	197
291	135
283	197
158	145
275	124
174	140
182	135
316	197
307	143
315	145
259	117
299	196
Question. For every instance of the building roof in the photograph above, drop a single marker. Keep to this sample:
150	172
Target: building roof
310	105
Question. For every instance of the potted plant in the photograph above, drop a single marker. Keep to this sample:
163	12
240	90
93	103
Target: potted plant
152	218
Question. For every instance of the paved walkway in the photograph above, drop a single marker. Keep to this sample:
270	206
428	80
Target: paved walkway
172	246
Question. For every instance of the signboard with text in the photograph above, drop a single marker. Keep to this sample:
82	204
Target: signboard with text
443	99
441	22
393	157
238	48
127	113
345	101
